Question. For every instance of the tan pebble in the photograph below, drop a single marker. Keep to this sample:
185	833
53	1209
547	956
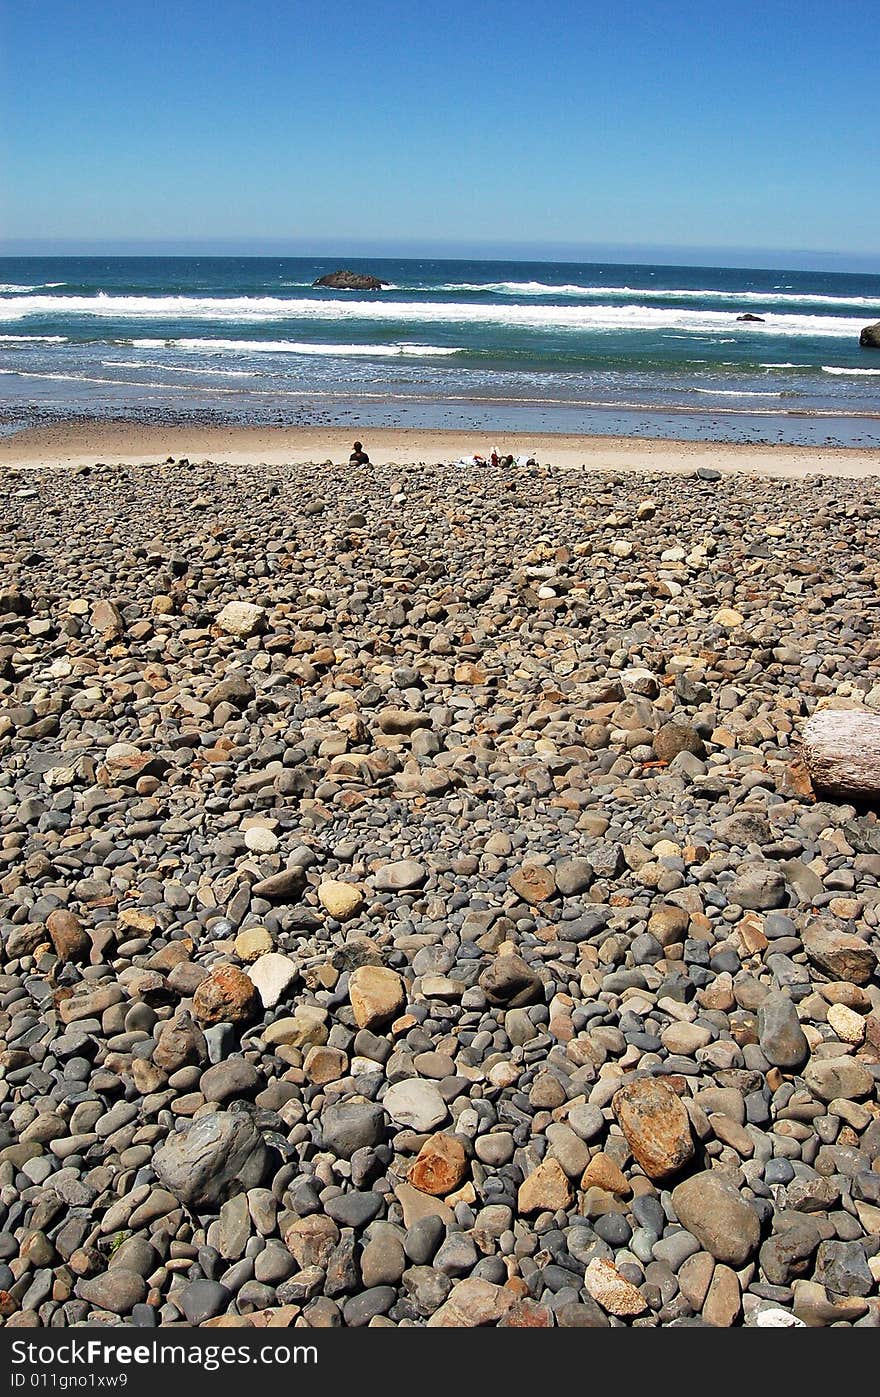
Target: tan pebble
341	900
613	1291
252	943
847	1024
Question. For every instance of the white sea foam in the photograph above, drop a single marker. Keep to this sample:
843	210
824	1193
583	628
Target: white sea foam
33	339
681	293
252	309
379	351
827	369
782	366
541	288
176	368
11	288
734	393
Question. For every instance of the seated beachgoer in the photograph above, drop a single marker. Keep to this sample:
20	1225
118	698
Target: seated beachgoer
358	456
493	459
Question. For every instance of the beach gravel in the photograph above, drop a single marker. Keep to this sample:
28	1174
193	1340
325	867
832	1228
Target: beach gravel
415	907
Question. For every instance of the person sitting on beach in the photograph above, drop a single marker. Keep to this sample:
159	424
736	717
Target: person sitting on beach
358	456
494	457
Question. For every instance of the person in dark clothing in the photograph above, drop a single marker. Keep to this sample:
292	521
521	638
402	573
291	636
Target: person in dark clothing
358	456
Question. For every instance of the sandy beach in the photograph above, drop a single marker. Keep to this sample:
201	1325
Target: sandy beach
87	443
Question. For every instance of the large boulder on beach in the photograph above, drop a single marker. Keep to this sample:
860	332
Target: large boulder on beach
344	280
870	336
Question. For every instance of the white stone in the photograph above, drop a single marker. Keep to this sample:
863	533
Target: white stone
241	618
272	974
260	840
415	1103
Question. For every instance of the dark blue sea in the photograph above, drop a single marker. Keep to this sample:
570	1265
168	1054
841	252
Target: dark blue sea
522	346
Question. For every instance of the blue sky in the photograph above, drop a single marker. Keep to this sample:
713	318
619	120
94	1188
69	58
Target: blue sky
408	126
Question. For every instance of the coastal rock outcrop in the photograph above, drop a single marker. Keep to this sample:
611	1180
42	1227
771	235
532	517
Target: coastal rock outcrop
870	336
755	319
344	280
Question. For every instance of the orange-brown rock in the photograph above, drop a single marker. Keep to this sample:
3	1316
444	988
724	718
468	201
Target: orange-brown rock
440	1166
69	938
545	1190
602	1172
533	883
655	1124
227	996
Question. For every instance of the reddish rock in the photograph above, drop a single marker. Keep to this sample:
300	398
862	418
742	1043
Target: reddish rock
440	1166
526	1314
228	995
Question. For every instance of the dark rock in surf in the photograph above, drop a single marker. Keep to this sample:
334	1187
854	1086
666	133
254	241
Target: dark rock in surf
350	281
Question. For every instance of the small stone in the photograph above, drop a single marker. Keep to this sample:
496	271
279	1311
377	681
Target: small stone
472	1303
838	1076
723	1301
546	1189
286	886
117	1290
676	737
401	876
241	619
377	995
260	840
252	943
729	618
415	1103
227	995
203	1299
323	1064
533	882
227	1080
573	876
341	900
272	974
838	954
602	1172
780	1035
710	1207
440	1166
758	887
180	1043
604	1282
218	1155
655	1124
842	1267
68	936
847	1024
351	1126
509	981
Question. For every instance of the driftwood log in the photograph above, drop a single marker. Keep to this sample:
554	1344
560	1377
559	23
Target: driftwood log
841	750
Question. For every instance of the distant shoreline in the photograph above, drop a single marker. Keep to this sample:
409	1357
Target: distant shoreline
68	445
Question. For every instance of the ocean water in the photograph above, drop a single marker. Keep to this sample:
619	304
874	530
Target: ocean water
488	346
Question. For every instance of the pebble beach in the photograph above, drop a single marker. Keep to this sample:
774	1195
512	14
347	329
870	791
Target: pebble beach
415	906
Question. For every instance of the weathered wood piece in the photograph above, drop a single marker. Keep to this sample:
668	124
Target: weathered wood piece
841	749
